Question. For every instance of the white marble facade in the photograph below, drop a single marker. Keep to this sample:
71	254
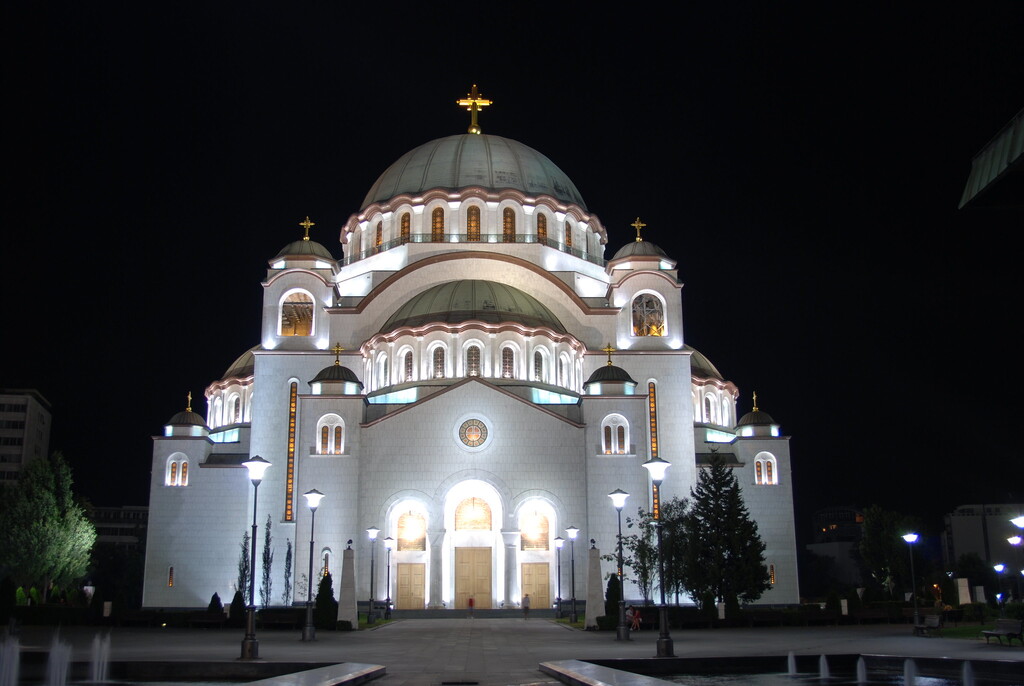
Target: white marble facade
473	304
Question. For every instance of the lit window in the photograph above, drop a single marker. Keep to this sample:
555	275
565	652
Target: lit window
170	577
412	532
177	471
378	239
652	415
439	363
542	228
771	574
616	435
534	531
437	225
183	479
508	226
473	223
473	514
174	474
325	434
327	563
297	315
707	409
407	364
338	440
568	235
331	428
538	366
405	230
648	316
508	359
765	469
473	361
758	472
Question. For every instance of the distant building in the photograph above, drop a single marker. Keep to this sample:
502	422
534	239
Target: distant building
996	180
837	534
24	430
983	530
123	527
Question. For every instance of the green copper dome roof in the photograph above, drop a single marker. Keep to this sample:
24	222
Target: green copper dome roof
303	248
492	162
639	249
455	302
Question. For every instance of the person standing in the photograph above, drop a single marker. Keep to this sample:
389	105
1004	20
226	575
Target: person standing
469	605
526	606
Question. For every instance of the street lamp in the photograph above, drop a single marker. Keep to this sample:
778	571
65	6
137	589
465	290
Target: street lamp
559	542
313	499
372	532
250	646
573	532
1018	522
1015	541
911	539
618	497
1000	597
657	468
389	543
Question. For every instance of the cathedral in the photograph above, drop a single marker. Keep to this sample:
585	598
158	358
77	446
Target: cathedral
472	378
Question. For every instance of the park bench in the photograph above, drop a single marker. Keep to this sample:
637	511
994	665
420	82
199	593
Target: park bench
927	625
1010	628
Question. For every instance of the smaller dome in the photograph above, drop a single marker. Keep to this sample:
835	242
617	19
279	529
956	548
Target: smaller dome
609	373
701	366
187	418
304	248
755	418
243	367
336	372
640	249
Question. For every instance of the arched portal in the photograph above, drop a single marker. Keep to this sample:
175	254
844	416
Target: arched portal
473	553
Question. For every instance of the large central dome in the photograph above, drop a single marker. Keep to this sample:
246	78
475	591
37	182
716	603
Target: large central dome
455	302
474	160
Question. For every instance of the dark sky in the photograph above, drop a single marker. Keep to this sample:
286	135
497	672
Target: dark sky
802	161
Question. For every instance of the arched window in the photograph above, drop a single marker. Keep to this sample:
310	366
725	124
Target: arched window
538	366
331	428
765	469
438	362
177	471
648	316
568	235
473	223
183	478
383	377
297	315
406	228
173	478
508	226
542	228
473	360
508	363
378	239
534	531
723	416
437	225
771	574
407	366
615	432
473	514
325	558
709	416
412	532
170	577
563	371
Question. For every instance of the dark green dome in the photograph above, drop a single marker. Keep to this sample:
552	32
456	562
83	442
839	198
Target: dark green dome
187	418
609	373
639	249
755	418
455	302
304	248
336	372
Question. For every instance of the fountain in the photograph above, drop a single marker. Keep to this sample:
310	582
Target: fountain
967	674
862	671
823	667
58	663
792	663
100	658
909	673
10	656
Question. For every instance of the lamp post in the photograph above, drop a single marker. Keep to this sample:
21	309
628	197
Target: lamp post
573	532
657	467
911	539
559	542
313	499
618	497
250	646
1000	597
389	543
1015	541
371	615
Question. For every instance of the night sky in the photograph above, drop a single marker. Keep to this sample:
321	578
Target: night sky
803	162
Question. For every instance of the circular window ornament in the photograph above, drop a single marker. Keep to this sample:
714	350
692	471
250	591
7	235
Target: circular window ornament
473	433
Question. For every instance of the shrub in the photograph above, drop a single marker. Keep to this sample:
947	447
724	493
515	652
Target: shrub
215	604
237	615
325	609
613	593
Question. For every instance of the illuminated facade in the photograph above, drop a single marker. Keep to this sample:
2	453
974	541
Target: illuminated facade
472	377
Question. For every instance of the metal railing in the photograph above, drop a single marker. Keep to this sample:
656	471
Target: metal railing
462	238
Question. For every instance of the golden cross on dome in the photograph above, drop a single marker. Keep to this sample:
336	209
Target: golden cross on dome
638	225
609	349
755	401
473	102
337	353
188	405
306	224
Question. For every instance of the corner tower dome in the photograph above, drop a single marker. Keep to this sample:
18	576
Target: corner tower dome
468	159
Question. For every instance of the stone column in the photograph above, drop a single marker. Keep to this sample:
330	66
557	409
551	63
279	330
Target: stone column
594	592
512	591
436	542
347	594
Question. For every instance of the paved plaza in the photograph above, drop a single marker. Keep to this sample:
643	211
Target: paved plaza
499	652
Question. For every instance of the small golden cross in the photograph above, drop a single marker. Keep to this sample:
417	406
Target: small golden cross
473	102
306	224
755	401
188	407
337	353
638	225
609	349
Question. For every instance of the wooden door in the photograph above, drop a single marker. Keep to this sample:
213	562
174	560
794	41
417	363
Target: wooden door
473	577
411	584
536	582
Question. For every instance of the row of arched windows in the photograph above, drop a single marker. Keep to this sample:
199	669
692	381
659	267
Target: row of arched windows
713	409
472	514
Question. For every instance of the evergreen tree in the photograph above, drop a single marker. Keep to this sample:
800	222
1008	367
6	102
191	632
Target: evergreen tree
45	536
882	548
267	562
242	584
325	608
286	596
724	554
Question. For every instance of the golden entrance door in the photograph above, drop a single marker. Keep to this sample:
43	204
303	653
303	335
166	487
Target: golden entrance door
473	577
411	582
536	583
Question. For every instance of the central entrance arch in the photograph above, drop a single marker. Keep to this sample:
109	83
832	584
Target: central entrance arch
473	550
